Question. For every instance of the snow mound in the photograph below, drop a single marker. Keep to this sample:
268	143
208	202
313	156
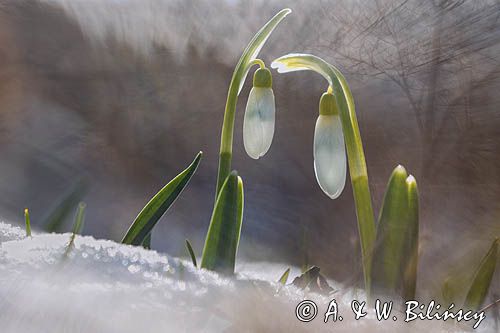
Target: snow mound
9	232
103	286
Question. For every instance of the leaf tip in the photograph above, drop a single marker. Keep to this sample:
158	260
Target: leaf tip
400	169
411	184
198	157
410	180
284	277
191	253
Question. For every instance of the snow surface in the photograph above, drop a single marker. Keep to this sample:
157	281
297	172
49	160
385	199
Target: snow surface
103	286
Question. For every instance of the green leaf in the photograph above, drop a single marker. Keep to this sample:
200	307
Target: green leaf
458	280
146	243
284	278
223	236
79	218
354	146
410	251
448	292
395	257
27	222
77	226
66	204
158	205
482	278
191	253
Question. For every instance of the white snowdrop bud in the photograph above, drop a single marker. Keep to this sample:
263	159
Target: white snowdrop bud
330	164
258	124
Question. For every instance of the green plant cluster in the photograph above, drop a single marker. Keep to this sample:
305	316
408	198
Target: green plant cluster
389	247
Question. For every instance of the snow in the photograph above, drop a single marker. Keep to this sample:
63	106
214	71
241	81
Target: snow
103	286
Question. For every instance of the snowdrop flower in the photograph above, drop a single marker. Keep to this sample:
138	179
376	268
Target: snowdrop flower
258	124
329	150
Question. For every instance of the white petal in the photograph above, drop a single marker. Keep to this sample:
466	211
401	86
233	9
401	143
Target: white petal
258	124
330	163
284	67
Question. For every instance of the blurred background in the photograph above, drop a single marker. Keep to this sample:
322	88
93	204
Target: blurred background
105	101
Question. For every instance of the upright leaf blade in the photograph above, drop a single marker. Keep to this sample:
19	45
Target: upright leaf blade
146	243
221	244
79	218
284	277
191	253
77	226
391	232
158	205
27	222
482	278
66	204
449	292
410	253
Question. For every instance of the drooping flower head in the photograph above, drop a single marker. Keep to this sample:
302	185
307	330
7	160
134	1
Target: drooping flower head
330	164
258	124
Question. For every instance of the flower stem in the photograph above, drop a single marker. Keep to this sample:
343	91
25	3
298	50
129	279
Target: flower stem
247	60
354	145
257	62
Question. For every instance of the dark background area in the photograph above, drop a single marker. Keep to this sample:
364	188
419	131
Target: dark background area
124	94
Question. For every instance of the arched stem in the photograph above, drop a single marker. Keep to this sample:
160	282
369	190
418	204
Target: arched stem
248	58
256	62
354	145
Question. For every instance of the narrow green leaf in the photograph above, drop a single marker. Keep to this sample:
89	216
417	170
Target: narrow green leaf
284	278
146	243
410	252
391	233
482	278
77	226
457	281
158	205
65	205
191	253
79	218
27	221
223	236
448	294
